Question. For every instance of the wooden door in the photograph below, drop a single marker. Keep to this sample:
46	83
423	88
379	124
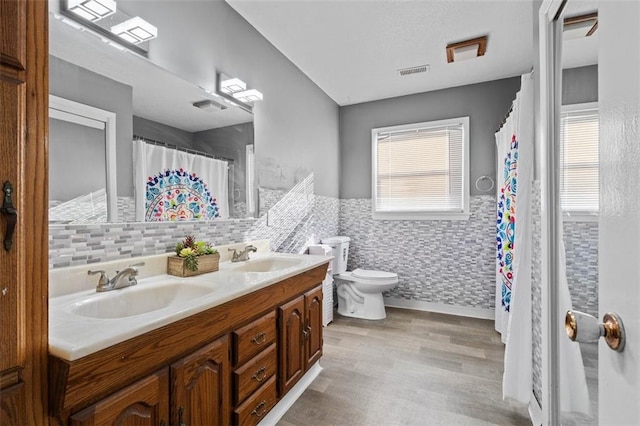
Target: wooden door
313	326
200	386
144	403
291	318
23	165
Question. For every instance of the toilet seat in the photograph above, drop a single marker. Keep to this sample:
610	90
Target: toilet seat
368	276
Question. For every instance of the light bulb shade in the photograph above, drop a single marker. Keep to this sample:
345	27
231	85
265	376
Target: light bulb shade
135	30
251	95
232	85
92	10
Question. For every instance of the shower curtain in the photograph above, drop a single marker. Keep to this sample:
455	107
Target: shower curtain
515	142
172	185
515	147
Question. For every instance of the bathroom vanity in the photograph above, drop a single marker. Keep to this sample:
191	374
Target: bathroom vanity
226	356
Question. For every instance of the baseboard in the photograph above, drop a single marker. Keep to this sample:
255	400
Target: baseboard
535	411
441	308
291	397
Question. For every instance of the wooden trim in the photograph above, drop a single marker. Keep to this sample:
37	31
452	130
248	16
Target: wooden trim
573	20
106	371
480	41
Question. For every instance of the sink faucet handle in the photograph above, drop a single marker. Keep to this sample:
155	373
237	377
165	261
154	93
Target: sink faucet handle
135	265
104	279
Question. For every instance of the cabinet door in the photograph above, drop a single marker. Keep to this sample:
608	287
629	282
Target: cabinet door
23	264
200	386
313	326
291	317
144	403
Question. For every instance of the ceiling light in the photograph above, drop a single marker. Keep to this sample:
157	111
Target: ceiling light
467	49
92	10
232	85
251	95
135	30
209	106
580	26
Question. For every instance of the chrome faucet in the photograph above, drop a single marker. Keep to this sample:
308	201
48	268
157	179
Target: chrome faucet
124	278
243	255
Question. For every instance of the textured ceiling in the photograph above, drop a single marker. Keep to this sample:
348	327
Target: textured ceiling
352	49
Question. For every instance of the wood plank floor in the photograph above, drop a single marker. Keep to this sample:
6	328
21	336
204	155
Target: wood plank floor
413	368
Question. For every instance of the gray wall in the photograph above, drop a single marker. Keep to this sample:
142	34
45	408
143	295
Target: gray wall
150	129
76	153
296	123
70	81
485	103
580	85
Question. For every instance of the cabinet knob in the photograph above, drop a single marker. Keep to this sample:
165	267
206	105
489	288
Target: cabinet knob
259	338
259	375
259	407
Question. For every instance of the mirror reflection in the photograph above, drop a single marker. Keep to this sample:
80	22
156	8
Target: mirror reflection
173	119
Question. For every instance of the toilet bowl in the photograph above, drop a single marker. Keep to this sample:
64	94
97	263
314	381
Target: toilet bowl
359	291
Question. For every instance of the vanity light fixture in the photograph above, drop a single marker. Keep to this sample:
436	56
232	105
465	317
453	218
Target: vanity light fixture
251	95
580	26
135	30
92	10
467	49
232	85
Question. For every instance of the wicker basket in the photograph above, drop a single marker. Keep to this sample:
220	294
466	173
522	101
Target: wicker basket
178	265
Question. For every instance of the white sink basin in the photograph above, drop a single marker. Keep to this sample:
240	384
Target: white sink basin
137	300
267	265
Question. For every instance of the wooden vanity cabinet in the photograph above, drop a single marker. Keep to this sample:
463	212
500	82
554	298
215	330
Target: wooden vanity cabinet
300	337
200	386
216	367
144	403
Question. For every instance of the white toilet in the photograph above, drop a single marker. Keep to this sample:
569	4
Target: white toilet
359	291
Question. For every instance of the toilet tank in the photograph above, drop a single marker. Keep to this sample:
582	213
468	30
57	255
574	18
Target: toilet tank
340	250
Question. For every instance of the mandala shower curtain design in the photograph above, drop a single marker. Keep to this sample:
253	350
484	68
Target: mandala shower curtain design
506	223
172	185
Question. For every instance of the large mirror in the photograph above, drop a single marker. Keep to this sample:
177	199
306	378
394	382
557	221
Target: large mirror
150	105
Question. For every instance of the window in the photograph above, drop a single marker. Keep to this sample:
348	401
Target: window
579	161
421	171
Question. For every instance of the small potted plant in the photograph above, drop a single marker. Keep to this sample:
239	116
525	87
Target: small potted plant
193	258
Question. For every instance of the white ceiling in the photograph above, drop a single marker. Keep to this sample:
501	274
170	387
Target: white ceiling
352	49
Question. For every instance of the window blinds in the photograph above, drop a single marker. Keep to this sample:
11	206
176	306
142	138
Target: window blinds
579	161
420	170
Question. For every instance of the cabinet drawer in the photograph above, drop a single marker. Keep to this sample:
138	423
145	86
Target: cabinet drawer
257	405
253	337
254	373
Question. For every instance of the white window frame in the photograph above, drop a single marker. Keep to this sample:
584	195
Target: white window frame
579	216
431	214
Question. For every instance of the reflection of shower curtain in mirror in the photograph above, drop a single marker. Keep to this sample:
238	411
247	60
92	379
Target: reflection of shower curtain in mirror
172	185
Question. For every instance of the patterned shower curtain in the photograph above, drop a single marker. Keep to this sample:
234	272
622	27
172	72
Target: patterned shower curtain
515	143
172	185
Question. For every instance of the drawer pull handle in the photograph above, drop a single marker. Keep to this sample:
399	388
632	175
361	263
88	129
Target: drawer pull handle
180	414
260	407
259	338
10	212
259	376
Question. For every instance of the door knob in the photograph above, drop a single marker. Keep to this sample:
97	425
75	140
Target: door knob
585	328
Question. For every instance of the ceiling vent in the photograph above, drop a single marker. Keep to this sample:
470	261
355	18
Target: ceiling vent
414	70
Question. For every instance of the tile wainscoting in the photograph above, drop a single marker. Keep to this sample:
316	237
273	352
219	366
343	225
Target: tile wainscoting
445	262
71	245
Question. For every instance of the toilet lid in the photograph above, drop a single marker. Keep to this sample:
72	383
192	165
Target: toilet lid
368	274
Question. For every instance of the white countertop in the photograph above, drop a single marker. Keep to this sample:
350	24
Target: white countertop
72	336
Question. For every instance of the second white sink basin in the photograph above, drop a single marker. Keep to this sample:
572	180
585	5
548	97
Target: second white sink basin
137	300
266	265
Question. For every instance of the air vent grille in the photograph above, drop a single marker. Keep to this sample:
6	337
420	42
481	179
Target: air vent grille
414	70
